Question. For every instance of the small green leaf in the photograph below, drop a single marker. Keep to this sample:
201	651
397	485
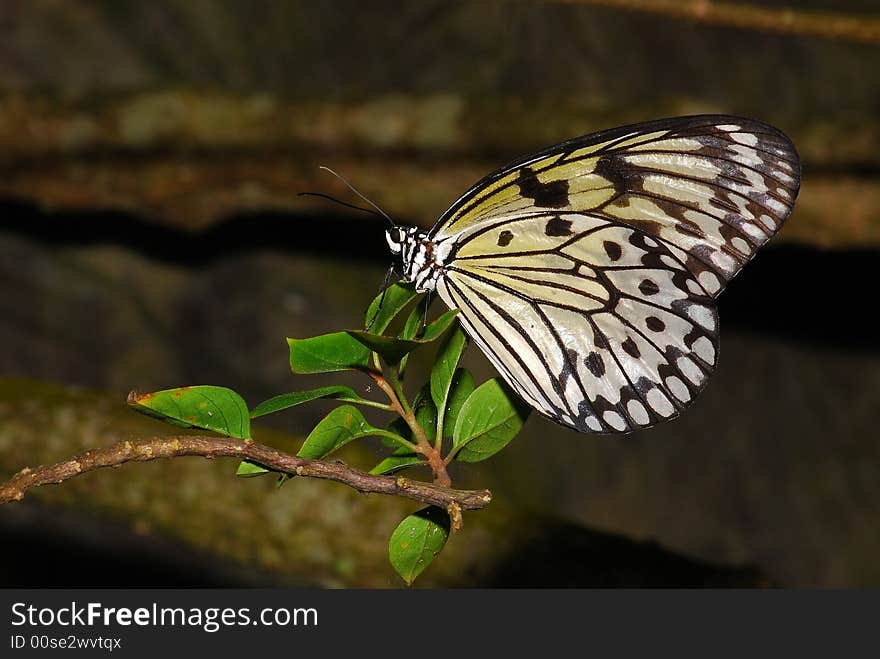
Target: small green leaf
285	401
213	408
417	541
489	419
462	386
327	353
413	322
395	298
338	428
426	412
390	348
444	368
439	325
402	458
248	469
393	349
412	327
447	361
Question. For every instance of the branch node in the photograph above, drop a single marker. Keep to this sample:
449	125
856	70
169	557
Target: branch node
454	511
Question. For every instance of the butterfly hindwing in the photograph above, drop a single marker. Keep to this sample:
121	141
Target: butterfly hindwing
587	272
605	330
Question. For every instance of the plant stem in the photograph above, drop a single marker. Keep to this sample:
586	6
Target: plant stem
367	403
388	381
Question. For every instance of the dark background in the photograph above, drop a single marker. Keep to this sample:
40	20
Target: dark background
150	237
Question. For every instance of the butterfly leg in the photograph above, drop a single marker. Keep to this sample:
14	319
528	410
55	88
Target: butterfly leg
386	284
427	304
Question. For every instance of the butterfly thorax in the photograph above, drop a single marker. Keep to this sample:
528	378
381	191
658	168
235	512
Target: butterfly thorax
422	258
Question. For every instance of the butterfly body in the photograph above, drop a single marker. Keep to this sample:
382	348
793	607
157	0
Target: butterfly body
587	272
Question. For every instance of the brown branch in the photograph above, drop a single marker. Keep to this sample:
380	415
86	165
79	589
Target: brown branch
210	447
823	24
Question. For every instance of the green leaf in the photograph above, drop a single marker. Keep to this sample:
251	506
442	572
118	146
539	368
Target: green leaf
390	348
249	469
489	419
439	325
444	368
397	427
413	322
462	386
426	412
338	428
411	328
393	349
396	297
285	401
402	458
327	353
417	541
218	409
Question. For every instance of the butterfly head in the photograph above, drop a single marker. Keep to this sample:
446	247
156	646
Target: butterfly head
397	237
418	256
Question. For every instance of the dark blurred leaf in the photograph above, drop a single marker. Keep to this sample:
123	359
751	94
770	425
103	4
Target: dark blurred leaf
397	427
218	409
489	419
417	541
327	353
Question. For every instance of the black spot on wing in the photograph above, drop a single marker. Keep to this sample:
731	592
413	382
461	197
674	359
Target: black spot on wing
548	195
618	172
629	347
649	287
596	364
613	250
558	226
504	238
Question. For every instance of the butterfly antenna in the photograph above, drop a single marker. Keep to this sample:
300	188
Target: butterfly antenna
338	201
353	189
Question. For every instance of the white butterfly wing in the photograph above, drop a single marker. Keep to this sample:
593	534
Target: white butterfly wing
587	272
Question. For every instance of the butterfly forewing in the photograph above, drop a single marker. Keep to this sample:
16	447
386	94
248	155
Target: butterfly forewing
587	272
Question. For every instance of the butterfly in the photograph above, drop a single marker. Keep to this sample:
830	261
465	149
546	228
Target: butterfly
587	272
